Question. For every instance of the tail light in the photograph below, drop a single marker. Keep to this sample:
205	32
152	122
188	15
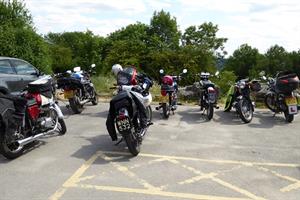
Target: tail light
163	92
36	96
211	90
284	81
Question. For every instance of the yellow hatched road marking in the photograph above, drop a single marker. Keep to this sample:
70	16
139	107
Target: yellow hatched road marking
246	163
158	193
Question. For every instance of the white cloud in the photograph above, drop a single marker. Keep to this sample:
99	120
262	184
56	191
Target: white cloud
258	23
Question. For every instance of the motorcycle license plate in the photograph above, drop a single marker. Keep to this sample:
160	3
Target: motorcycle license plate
291	102
68	94
123	125
164	99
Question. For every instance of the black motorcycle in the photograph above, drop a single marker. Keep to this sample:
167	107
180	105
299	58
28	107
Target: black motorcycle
281	95
238	97
28	117
208	94
124	110
77	88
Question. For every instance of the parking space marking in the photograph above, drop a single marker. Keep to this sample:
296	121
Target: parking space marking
158	193
246	163
75	180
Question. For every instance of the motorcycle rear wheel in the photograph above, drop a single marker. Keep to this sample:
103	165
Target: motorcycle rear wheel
9	150
166	110
133	144
288	117
75	105
245	110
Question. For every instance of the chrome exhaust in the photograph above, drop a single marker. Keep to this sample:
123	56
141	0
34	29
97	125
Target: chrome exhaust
84	101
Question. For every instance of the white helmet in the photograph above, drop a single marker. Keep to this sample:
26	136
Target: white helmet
116	68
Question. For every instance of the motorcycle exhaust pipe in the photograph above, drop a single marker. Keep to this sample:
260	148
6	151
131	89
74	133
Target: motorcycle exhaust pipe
33	138
84	101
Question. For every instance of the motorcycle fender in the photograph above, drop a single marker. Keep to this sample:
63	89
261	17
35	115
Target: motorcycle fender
58	110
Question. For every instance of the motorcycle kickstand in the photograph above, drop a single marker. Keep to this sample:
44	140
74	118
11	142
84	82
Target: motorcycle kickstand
121	140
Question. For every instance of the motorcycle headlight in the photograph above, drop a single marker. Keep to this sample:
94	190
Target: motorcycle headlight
242	85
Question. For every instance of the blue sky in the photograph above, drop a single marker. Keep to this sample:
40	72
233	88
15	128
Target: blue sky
258	23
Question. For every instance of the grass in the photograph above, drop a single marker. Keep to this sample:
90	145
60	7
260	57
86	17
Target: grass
103	83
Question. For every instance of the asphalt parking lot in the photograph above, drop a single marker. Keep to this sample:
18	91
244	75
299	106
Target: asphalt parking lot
184	157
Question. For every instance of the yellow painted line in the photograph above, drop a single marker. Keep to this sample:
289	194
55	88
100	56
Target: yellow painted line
237	189
246	163
291	187
158	193
74	179
197	178
128	173
219	181
279	175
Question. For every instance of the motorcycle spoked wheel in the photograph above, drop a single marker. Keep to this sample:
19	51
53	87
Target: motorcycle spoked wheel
75	105
165	110
95	99
245	110
57	123
209	111
134	146
270	102
288	117
149	113
10	149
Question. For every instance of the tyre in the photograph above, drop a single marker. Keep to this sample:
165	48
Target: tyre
75	105
245	110
62	129
270	102
133	145
166	111
95	99
149	113
288	117
10	150
210	111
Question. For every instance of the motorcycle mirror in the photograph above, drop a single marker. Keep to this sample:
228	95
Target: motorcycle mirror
217	73
76	69
264	77
184	71
69	71
161	71
93	66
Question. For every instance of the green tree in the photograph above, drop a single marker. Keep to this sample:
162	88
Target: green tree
18	37
163	31
243	61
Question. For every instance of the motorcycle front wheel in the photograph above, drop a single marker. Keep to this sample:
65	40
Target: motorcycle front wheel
209	111
270	102
10	149
245	110
149	113
95	99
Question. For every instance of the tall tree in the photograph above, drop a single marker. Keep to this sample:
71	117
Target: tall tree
243	60
163	31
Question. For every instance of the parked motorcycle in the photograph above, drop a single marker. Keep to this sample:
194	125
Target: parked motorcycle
208	94
125	109
28	117
78	88
281	95
238	97
169	93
